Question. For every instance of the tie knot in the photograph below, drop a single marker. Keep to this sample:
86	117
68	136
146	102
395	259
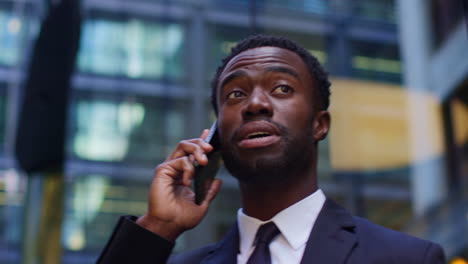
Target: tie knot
267	232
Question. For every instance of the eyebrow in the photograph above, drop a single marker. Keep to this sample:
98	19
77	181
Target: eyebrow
233	76
241	73
283	70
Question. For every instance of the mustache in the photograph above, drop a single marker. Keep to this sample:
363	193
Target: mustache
284	130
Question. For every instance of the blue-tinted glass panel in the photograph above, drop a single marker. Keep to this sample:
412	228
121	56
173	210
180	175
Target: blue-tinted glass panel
10	32
132	48
137	129
378	10
265	6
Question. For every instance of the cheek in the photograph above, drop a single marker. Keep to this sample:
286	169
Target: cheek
296	113
227	123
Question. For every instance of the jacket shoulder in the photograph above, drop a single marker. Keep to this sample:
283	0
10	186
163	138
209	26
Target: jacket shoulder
395	247
193	256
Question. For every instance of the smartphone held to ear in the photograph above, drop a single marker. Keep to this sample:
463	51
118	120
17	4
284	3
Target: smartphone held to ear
204	174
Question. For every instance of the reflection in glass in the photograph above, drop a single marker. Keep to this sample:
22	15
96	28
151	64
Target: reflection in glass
94	203
10	29
133	48
107	128
133	129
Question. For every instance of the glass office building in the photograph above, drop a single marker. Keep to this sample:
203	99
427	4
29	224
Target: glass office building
397	152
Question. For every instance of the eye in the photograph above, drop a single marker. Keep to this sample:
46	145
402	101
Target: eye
235	94
282	89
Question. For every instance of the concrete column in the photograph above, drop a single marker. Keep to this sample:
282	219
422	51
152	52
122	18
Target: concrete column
427	173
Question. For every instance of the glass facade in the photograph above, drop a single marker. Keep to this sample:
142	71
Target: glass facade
11	27
125	128
376	61
142	84
132	48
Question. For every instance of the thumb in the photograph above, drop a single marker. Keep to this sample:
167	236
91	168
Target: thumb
213	190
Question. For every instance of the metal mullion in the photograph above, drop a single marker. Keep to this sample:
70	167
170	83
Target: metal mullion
126	86
137	8
124	171
365	33
309	25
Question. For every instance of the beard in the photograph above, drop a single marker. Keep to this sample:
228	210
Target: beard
297	153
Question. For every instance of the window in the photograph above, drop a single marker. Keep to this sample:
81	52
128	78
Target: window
11	27
306	6
376	61
113	128
380	10
94	204
132	48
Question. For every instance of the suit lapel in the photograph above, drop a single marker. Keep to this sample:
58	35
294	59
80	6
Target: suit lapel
227	249
332	237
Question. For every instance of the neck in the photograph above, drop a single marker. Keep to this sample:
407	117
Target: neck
263	201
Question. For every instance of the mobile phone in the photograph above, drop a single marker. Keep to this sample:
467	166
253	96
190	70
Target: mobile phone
204	174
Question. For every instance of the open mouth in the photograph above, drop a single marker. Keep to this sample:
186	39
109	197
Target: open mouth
258	135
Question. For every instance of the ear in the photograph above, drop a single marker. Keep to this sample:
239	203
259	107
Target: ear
321	125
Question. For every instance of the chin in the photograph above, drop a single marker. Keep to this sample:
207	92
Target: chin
257	170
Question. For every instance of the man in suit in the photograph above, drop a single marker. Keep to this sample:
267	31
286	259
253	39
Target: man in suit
271	98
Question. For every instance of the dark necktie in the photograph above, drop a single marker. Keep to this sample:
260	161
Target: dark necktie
265	234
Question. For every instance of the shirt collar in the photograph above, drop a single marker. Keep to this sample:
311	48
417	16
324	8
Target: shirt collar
295	222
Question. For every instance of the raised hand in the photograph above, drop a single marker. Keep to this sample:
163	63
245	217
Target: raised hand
171	206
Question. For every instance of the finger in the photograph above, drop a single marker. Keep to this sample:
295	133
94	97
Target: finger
181	170
205	133
196	147
212	192
189	171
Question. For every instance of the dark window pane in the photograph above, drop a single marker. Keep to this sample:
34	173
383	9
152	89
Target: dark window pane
445	16
376	61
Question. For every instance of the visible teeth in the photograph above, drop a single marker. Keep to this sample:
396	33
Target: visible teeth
257	134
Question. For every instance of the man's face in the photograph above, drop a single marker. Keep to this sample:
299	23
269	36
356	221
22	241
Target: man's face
266	113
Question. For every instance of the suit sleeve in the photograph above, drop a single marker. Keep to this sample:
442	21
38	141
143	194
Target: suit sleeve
434	255
131	243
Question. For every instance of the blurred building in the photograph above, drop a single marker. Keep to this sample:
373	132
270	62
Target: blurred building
398	149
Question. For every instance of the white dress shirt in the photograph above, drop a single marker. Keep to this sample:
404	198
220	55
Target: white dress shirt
295	223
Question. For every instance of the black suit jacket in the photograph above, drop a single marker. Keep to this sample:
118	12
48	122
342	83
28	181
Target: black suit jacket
337	237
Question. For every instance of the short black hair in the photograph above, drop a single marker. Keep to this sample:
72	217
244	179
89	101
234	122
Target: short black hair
315	69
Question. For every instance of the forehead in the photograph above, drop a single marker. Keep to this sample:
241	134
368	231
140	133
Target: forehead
264	56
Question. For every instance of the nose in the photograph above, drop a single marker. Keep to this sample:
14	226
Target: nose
258	103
